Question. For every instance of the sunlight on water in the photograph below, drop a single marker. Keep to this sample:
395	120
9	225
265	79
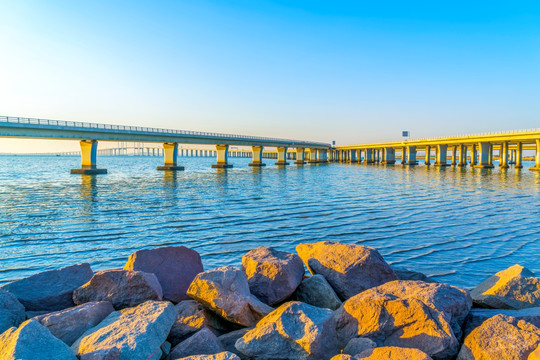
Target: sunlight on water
458	225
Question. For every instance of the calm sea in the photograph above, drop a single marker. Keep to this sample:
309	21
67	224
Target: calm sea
457	225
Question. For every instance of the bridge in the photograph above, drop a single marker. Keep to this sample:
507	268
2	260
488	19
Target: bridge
477	150
89	134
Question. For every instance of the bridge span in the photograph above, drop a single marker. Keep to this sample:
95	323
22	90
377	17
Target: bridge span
90	133
477	150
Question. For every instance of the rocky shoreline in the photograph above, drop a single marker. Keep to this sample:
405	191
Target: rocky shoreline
350	305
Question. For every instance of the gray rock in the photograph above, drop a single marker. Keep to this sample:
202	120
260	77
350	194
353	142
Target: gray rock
203	342
272	275
50	290
293	331
165	349
501	337
477	316
225	291
221	356
229	340
137	333
317	291
393	353
32	341
514	288
349	269
404	274
11	311
174	266
109	354
356	345
68	325
121	288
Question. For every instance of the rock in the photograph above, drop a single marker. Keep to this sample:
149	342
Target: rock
191	318
357	345
477	316
393	353
272	275
11	311
501	337
410	314
174	266
513	288
137	333
343	357
120	287
221	356
165	349
535	355
405	274
293	331
68	325
32	341
50	290
317	291
229	340
109	354
225	291
349	269
203	342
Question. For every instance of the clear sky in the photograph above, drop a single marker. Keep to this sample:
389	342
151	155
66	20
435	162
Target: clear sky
350	71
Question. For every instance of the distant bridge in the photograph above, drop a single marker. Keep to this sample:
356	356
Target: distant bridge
90	133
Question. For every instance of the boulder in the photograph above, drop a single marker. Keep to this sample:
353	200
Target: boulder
409	314
343	357
405	274
174	266
477	316
513	288
229	340
32	341
221	356
535	355
350	269
50	290
316	291
293	331
11	311
357	345
109	354
203	342
192	317
68	325
272	275
501	337
393	353
121	288
225	291
137	333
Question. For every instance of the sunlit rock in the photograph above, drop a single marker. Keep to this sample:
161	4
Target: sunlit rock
221	356
316	291
272	275
203	342
477	316
410	314
393	353
343	357
535	355
349	269
32	341
513	288
120	287
357	345
68	325
225	291
174	266
293	331
137	333
501	337
11	311
50	290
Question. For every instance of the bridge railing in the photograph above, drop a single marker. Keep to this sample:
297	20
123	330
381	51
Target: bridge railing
77	124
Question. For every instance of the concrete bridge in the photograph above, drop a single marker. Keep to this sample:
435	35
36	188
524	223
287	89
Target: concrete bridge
478	150
90	133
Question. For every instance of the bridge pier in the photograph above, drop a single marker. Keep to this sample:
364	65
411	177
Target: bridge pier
256	152
88	159
441	154
411	158
519	155
389	156
454	155
222	152
484	155
427	159
313	156
170	154
301	156
404	155
503	155
368	156
352	158
462	156
536	166
282	156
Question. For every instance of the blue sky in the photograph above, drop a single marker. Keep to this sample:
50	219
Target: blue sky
349	71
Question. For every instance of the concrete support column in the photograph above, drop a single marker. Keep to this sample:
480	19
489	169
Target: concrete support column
404	155
300	156
369	156
389	156
353	156
170	155
519	155
88	159
222	154
411	159
427	158
490	153
484	156
503	155
282	156
462	155
474	155
536	166
256	153
454	155
313	156
441	155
